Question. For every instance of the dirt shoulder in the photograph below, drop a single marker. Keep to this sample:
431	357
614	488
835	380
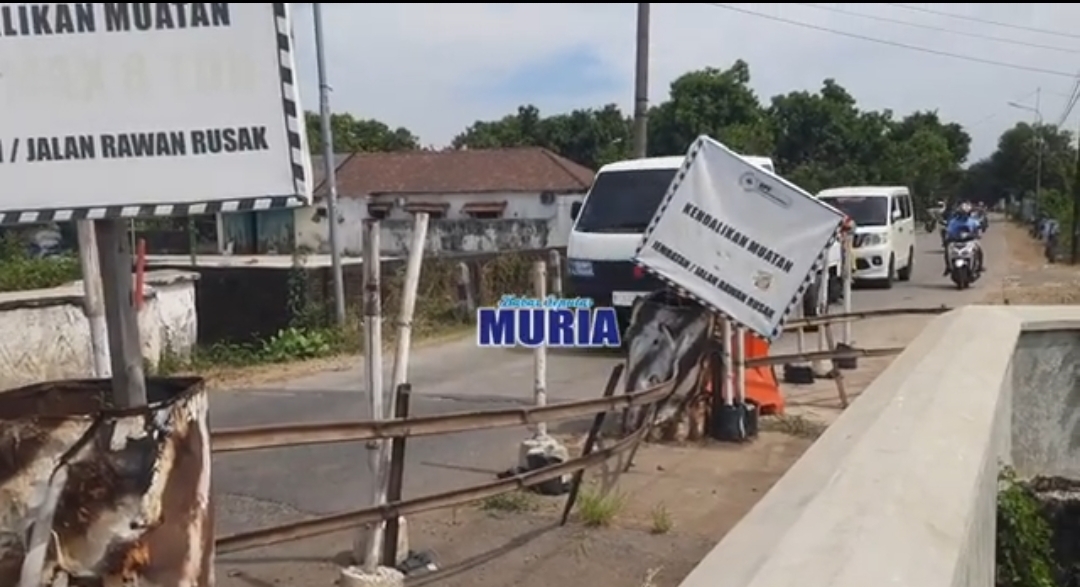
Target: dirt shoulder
1031	279
666	513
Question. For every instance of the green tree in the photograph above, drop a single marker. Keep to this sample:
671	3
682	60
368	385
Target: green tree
714	102
353	134
591	137
817	139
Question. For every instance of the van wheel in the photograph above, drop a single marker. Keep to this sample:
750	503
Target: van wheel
905	273
887	283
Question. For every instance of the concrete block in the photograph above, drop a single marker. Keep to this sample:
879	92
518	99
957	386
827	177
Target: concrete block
382	577
402	541
541	451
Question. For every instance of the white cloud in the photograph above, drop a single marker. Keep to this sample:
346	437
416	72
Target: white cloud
410	64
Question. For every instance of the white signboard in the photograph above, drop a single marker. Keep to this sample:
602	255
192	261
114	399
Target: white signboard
738	238
143	109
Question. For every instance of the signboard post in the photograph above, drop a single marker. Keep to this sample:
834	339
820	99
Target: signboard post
737	238
118	111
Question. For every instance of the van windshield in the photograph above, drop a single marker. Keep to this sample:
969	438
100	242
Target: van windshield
624	201
864	210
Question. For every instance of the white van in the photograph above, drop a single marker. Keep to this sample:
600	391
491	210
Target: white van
884	230
609	226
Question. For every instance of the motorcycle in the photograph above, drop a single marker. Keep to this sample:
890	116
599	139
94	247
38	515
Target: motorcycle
963	265
930	224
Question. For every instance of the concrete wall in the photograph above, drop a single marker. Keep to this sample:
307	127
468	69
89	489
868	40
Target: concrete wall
468	236
522	210
46	335
902	488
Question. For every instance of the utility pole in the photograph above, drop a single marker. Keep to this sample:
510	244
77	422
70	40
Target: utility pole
641	82
330	174
1038	144
1074	241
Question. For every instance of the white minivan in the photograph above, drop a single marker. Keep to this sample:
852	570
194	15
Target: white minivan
884	230
609	225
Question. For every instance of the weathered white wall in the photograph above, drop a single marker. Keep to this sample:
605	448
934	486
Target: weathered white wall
46	336
468	236
312	232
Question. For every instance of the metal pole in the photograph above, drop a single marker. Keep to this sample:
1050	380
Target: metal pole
330	173
114	254
1074	249
641	82
374	372
93	298
540	352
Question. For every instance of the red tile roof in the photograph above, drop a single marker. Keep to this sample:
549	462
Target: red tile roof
516	170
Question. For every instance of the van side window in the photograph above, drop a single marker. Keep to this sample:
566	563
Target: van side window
905	206
896	206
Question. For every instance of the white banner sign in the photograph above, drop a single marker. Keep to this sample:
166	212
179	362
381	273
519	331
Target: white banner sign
738	238
148	109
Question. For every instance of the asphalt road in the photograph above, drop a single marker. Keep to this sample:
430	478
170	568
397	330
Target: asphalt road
259	488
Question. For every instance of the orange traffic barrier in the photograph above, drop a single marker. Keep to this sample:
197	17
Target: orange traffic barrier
761	385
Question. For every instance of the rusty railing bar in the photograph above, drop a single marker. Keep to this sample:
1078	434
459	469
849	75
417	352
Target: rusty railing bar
824	356
263	437
337	522
793	325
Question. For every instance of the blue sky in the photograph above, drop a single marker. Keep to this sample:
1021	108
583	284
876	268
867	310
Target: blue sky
436	68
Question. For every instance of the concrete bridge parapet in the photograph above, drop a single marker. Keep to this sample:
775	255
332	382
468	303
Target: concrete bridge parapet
901	490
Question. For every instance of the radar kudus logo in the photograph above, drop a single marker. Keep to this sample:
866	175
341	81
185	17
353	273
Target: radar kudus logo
519	321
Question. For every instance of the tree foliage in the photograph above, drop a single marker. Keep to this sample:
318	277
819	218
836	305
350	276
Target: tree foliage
353	134
817	139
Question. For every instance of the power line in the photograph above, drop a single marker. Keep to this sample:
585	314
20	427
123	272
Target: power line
1000	110
1070	103
970	58
939	29
1018	27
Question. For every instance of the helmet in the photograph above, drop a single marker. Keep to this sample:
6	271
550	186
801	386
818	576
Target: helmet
965	208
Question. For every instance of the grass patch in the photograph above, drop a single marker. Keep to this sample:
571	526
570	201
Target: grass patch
512	502
661	520
796	426
597	510
21	272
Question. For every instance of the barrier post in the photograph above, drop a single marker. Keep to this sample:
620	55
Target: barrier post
848	275
541	449
818	365
540	352
740	364
367	549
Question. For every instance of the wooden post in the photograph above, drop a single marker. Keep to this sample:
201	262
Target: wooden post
729	372
837	373
555	267
848	273
128	379
739	358
396	479
465	291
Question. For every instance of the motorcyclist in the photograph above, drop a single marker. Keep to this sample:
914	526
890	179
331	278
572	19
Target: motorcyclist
963	223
